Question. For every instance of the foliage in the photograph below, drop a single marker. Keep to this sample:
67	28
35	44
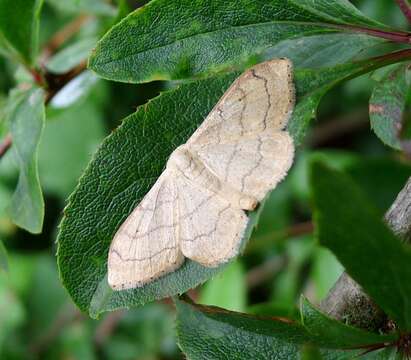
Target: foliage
178	58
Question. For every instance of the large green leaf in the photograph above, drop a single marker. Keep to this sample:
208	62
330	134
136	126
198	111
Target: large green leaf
26	116
210	36
348	224
387	105
337	334
19	25
115	182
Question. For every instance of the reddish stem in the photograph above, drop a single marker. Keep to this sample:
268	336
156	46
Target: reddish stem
5	145
405	8
394	36
38	77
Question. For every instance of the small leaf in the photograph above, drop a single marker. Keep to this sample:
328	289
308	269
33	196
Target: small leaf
70	56
19	25
336	334
211	36
26	116
74	90
387	105
227	289
349	225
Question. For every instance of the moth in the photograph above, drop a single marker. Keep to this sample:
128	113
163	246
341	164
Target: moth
197	208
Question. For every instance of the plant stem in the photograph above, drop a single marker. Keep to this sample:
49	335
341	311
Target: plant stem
60	37
405	8
394	36
5	145
38	77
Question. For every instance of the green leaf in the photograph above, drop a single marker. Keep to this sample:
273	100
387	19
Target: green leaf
336	334
74	90
387	105
70	56
211	36
227	290
26	116
349	225
212	333
206	332
19	25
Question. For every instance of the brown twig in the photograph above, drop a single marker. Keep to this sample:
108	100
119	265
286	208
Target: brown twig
264	272
60	37
338	127
57	81
399	214
295	230
405	8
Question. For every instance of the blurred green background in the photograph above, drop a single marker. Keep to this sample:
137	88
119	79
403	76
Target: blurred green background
38	319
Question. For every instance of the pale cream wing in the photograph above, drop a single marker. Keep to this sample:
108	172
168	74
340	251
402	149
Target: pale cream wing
146	246
260	100
211	230
252	165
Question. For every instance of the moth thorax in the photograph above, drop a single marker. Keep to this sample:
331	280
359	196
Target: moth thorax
181	160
